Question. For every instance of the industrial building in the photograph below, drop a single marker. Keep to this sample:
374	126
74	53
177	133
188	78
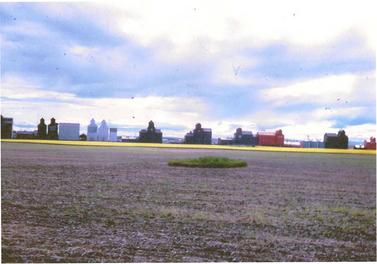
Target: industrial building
339	141
271	138
244	137
53	130
172	140
227	141
103	132
69	131
6	127
199	135
151	134
42	129
92	131
292	143
371	144
26	134
312	144
240	138
113	134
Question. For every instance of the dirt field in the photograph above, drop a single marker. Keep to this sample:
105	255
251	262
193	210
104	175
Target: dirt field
85	204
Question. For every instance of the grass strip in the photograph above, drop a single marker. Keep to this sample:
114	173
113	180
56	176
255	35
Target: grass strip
192	146
208	162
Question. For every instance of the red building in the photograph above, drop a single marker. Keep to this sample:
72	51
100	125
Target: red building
271	138
371	144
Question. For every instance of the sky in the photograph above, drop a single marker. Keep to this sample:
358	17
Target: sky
306	67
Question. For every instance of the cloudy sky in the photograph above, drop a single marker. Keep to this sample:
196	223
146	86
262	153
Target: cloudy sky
307	68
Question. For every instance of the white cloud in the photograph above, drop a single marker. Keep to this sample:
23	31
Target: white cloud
316	130
321	90
361	132
28	28
13	87
113	60
312	123
226	128
228	70
257	23
333	113
212	35
19	102
324	90
83	51
313	130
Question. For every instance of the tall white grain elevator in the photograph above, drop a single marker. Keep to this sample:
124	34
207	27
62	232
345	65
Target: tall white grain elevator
92	131
103	132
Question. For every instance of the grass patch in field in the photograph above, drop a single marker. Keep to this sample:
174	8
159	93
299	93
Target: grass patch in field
192	146
208	162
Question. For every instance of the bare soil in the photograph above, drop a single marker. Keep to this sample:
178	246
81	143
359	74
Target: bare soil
103	204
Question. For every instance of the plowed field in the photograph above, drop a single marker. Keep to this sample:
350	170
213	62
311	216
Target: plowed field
106	204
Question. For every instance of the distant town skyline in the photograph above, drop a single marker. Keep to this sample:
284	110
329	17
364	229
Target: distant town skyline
304	67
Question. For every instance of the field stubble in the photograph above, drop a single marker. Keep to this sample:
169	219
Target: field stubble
80	204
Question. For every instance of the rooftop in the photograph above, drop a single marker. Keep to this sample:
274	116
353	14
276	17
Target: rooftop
266	133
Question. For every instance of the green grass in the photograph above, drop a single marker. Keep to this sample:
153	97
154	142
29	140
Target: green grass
208	162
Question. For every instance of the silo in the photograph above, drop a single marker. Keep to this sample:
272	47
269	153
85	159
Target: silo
52	130
42	129
6	127
92	131
103	131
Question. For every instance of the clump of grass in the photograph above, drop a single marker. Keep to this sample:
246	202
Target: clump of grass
208	162
110	222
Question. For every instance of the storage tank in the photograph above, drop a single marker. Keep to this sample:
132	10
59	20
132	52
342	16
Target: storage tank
92	131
